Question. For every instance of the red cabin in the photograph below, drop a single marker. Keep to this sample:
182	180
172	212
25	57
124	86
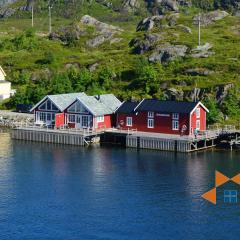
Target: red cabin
167	117
50	110
76	110
92	112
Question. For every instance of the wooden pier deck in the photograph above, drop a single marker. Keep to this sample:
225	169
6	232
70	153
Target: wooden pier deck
60	136
167	142
127	138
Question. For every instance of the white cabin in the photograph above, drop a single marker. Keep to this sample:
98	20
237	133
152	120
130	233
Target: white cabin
5	86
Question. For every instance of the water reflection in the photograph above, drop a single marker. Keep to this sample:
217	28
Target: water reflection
55	191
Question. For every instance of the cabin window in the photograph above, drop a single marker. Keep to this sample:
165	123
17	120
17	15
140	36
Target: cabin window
150	123
49	117
77	108
78	119
71	118
150	114
72	108
42	117
175	125
129	122
54	108
43	106
53	116
198	112
198	124
175	116
85	121
100	119
48	105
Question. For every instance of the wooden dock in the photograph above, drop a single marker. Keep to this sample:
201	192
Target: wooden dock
68	137
130	139
166	142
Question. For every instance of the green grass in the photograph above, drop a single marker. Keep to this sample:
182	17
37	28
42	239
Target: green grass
119	57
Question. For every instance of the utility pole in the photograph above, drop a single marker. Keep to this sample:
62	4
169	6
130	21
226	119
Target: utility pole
50	17
199	30
32	16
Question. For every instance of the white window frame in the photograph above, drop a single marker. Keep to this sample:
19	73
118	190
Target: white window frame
71	120
198	112
100	119
150	123
175	116
77	107
198	124
85	121
46	108
175	125
129	122
150	114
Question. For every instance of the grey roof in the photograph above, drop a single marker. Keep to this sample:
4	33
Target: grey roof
166	106
109	100
97	105
94	106
62	101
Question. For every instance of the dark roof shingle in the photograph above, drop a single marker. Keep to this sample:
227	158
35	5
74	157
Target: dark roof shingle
127	107
153	105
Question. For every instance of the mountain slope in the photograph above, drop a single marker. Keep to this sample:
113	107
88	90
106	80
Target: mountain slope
159	60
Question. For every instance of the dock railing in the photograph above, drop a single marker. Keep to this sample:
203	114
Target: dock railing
62	129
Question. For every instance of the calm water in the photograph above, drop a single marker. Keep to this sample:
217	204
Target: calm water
62	192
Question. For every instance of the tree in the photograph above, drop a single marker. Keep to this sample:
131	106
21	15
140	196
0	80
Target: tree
80	79
230	105
105	77
61	84
214	113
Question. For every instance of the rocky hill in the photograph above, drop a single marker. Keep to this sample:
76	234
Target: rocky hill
133	48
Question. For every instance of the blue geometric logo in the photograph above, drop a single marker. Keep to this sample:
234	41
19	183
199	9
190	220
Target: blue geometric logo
230	196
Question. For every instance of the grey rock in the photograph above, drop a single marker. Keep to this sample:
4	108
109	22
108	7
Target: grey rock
104	31
222	91
70	65
168	52
147	44
158	21
100	26
172	4
96	41
130	5
173	94
195	94
115	40
6	13
202	51
210	17
199	72
185	29
172	19
105	3
92	67
148	23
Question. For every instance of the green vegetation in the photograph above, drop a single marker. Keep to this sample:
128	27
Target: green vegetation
37	66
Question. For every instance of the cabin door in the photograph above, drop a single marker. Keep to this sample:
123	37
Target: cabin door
78	122
48	119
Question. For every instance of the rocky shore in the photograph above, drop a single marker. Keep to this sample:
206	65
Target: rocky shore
11	119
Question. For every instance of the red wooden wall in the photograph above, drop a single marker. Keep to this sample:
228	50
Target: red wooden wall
202	119
59	120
